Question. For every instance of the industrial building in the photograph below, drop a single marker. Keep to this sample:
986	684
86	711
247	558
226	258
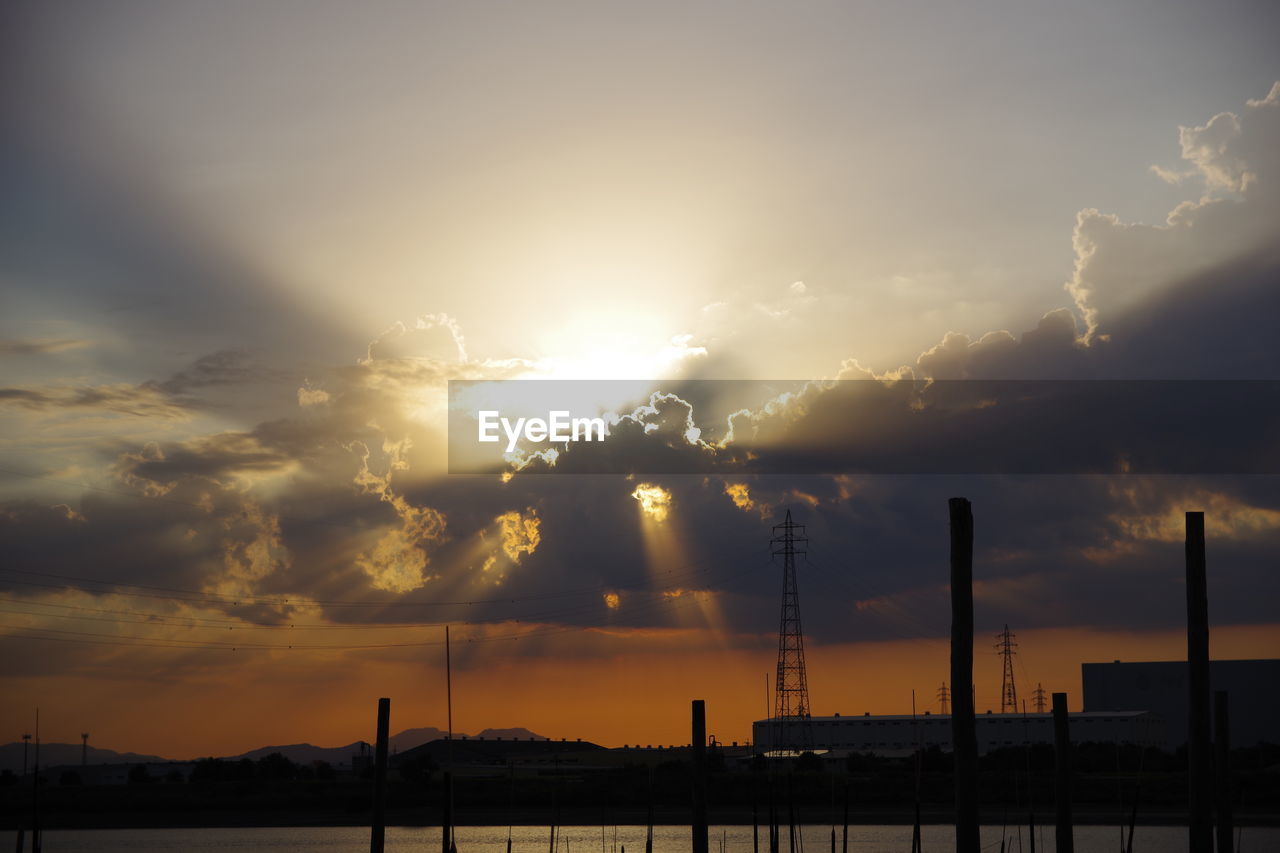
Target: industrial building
896	734
1253	687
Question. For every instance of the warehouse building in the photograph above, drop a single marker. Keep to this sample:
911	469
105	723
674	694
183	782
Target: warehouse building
1161	686
896	734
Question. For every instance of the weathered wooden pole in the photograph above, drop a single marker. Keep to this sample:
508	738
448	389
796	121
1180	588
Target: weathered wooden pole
844	836
964	736
648	837
701	843
791	815
755	820
1062	774
377	838
1199	757
1222	769
36	841
446	818
773	818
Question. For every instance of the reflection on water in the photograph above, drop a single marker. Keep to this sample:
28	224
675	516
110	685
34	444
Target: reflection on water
588	839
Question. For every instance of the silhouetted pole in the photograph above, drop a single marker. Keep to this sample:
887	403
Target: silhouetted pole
791	814
648	837
844	836
755	823
35	793
446	821
1062	773
964	736
1222	767
377	839
773	818
446	831
1199	769
701	843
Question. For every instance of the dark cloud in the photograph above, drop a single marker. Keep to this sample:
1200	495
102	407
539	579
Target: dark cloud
139	400
218	369
39	346
299	506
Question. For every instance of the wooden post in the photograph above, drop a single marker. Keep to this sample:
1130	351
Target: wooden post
701	843
1062	773
755	820
648	837
844	836
377	839
1222	768
446	819
964	737
791	815
1199	758
773	818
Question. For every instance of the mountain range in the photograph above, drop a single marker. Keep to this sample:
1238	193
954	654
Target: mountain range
55	754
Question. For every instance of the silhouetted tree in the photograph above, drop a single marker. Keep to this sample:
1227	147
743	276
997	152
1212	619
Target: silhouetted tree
276	766
808	762
69	777
418	769
138	775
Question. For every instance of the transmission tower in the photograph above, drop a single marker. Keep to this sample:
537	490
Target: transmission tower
1037	696
944	697
792	729
1008	692
84	748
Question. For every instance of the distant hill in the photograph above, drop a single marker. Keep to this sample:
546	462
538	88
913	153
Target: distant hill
508	734
409	738
305	753
54	754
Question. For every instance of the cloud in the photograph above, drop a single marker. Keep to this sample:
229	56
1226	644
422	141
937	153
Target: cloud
39	346
654	500
312	397
520	533
740	494
343	499
1120	265
218	369
435	337
143	401
397	562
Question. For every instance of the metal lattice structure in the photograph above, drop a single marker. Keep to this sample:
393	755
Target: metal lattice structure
1008	691
944	698
792	728
1038	697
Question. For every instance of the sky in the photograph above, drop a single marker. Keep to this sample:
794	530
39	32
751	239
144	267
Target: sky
245	246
